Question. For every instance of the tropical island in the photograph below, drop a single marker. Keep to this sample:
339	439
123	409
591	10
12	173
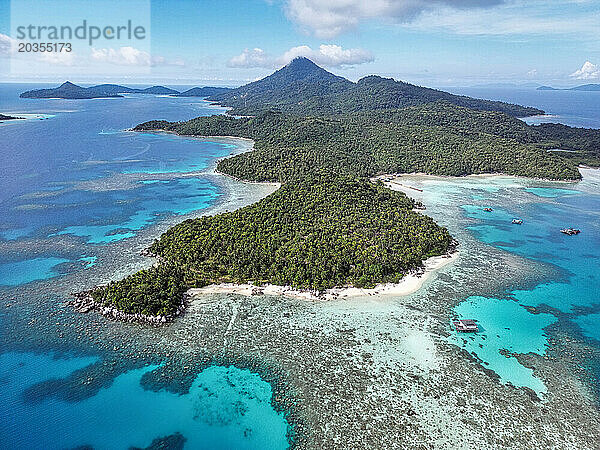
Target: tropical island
205	91
5	117
68	90
583	87
315	232
330	224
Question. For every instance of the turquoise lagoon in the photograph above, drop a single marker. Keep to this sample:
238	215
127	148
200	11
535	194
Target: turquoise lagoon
225	408
508	327
72	187
171	197
21	272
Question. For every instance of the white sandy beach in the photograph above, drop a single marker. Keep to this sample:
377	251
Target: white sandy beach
409	284
395	181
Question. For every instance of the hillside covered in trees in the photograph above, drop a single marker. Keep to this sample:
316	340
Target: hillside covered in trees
437	138
303	88
316	232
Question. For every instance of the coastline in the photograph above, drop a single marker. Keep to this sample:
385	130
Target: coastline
24	117
235	197
315	346
398	176
409	284
243	144
327	363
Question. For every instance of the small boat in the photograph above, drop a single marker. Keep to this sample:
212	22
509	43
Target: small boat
488	209
570	231
517	221
465	326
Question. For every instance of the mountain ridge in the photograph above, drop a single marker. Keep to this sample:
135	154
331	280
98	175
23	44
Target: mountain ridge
205	91
303	88
69	90
590	87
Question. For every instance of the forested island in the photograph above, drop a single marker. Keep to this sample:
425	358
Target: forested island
68	90
329	225
4	117
205	91
583	87
315	232
437	138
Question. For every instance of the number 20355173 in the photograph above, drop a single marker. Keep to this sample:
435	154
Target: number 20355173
41	47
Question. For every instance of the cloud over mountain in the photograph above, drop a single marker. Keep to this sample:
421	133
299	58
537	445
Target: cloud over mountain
328	55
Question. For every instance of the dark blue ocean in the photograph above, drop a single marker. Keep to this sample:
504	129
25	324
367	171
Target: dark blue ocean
573	108
76	188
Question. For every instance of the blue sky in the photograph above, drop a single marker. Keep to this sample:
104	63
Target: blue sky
438	43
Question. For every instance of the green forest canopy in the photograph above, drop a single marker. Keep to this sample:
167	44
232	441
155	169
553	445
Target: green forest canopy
320	231
437	138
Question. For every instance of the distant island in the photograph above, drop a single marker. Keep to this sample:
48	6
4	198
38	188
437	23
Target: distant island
68	90
206	91
3	117
331	224
583	87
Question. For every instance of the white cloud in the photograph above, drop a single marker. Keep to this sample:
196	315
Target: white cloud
510	19
573	18
328	55
58	58
251	58
131	56
124	56
532	73
6	45
162	61
588	71
327	19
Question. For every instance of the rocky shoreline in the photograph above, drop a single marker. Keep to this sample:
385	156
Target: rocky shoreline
83	302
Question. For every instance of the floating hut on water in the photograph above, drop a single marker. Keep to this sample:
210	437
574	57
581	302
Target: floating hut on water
570	231
465	326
